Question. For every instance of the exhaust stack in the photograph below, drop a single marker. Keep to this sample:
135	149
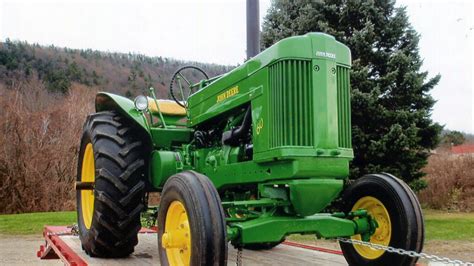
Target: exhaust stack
253	28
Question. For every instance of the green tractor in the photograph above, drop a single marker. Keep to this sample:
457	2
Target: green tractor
248	157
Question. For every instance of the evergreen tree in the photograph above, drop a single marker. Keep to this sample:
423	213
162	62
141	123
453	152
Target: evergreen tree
391	125
453	138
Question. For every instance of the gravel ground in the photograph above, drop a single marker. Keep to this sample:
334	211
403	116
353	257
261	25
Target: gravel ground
21	250
454	249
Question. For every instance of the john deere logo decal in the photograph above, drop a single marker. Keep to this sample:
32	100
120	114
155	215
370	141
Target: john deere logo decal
326	54
229	93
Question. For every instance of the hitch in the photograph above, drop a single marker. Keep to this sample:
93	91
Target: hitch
365	224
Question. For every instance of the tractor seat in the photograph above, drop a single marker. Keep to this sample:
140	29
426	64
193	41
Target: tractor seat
167	107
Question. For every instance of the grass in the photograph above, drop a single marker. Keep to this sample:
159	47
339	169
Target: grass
33	223
439	225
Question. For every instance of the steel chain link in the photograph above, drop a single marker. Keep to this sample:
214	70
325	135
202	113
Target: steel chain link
238	260
409	253
74	230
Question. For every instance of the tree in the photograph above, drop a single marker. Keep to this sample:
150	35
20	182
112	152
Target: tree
391	108
453	138
73	72
57	81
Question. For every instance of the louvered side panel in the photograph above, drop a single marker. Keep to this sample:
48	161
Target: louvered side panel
343	107
291	103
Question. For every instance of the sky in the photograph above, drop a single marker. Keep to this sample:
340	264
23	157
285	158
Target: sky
214	32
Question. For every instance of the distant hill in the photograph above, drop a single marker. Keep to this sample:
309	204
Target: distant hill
125	74
46	94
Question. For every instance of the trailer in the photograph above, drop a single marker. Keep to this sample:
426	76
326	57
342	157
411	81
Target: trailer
61	242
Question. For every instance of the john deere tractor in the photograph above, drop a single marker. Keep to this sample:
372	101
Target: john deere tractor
248	157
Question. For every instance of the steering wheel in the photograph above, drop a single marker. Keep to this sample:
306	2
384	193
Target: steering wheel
191	75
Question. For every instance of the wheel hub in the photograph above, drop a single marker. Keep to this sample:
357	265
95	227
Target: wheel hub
176	239
382	234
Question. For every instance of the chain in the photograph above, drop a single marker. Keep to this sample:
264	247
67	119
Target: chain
238	261
409	253
72	230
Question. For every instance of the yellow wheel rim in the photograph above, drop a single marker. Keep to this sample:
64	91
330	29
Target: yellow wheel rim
176	239
382	234
87	175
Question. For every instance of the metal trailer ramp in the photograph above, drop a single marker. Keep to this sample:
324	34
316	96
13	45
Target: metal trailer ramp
61	244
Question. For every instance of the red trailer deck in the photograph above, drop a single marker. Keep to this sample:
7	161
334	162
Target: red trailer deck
61	243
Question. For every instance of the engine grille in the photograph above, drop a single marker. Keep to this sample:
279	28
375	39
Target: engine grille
343	107
291	108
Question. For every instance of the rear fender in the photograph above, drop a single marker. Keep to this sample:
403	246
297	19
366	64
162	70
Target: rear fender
111	102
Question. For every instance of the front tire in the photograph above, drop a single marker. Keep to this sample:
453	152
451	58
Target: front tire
112	156
397	212
191	225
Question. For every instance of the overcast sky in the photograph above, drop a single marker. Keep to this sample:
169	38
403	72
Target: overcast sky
214	32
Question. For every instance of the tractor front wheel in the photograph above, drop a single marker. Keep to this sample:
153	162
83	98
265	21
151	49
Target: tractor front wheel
191	225
398	214
112	161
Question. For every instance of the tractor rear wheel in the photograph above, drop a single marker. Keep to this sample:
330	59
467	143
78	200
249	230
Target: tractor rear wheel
191	225
112	158
398	214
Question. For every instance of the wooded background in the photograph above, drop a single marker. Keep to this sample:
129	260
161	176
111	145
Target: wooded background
46	93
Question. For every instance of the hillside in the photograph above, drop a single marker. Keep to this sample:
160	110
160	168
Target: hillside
46	94
126	74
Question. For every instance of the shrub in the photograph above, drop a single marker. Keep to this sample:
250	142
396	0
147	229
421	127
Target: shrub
450	181
39	140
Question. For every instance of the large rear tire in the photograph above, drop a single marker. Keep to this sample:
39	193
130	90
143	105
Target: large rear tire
112	156
397	212
191	225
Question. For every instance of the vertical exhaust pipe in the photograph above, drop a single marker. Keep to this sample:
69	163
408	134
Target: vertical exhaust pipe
253	28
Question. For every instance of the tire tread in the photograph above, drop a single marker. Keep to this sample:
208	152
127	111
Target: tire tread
399	196
119	153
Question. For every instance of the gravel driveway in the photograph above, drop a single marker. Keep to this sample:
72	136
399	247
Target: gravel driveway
21	250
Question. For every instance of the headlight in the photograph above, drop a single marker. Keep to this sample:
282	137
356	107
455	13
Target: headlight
141	103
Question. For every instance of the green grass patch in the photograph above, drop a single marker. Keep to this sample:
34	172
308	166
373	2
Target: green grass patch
440	225
33	223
